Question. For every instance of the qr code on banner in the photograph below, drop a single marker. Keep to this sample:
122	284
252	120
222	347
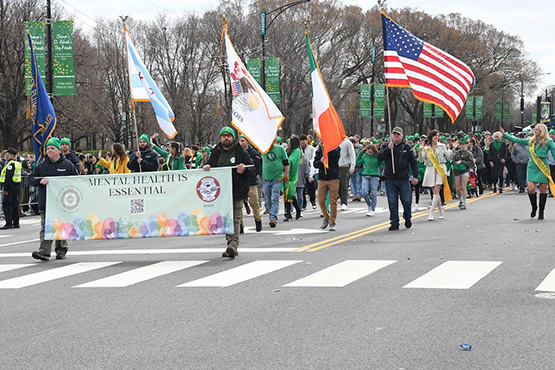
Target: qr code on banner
137	206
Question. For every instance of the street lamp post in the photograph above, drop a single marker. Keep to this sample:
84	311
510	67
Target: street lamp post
264	27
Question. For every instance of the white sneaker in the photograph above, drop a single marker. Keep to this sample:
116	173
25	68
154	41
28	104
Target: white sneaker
441	213
343	207
431	216
370	213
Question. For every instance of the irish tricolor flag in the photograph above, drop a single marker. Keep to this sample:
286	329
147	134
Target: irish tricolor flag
326	122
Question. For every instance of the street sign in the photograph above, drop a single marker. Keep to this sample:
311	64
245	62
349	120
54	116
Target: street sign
263	23
381	128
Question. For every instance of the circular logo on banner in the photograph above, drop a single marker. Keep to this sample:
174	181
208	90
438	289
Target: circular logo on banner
70	199
208	189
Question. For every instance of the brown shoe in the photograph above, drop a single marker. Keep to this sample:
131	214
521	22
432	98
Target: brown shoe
230	252
273	223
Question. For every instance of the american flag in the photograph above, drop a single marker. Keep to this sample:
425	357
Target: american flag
433	75
236	88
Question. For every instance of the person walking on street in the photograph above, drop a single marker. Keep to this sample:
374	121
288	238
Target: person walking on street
275	169
328	184
65	144
290	187
309	151
54	164
434	155
145	159
368	159
228	153
478	155
520	158
256	159
11	184
463	161
347	164
398	157
538	170
497	157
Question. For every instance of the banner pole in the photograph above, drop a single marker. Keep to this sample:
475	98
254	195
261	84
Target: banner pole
389	120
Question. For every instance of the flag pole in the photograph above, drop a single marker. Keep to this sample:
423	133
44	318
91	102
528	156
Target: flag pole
389	120
132	105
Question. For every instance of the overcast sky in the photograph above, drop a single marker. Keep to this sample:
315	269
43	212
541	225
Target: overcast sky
533	21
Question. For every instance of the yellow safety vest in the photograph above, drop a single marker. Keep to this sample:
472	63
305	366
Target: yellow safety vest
17	173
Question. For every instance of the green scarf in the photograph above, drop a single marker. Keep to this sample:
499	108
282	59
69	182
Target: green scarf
497	145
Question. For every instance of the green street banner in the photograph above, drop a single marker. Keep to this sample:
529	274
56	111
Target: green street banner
427	110
479	101
365	101
379	101
498	111
534	117
36	30
438	112
254	66
469	112
506	111
62	55
139	205
272	80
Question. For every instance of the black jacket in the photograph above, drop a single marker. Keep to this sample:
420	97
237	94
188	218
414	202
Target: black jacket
47	168
73	159
256	159
332	172
240	181
496	157
404	158
148	164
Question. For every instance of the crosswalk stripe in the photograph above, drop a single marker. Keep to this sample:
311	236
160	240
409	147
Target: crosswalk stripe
548	284
140	274
4	268
454	275
48	275
239	274
341	274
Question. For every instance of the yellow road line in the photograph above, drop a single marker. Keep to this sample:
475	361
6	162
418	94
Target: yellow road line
368	230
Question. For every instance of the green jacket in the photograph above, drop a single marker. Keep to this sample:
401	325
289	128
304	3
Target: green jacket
370	164
171	163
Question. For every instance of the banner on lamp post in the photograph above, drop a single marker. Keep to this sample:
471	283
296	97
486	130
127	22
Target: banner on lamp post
365	100
272	80
469	111
379	101
478	102
62	55
254	66
36	30
498	111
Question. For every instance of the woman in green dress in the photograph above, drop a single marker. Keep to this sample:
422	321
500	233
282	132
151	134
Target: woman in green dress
290	187
542	144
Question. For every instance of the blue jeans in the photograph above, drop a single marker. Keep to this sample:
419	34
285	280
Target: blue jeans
356	184
370	190
398	189
271	194
521	175
300	197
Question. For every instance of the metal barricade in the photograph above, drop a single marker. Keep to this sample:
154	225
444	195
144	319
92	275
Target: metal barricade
28	197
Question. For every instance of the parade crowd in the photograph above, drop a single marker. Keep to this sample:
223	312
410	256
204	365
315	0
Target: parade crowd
422	171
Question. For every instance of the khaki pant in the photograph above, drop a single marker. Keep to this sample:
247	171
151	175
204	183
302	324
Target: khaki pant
233	239
253	202
46	245
331	186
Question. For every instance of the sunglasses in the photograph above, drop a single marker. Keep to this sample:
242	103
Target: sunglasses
227	135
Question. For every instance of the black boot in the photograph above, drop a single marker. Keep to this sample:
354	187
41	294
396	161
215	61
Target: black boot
543	199
287	211
297	209
534	203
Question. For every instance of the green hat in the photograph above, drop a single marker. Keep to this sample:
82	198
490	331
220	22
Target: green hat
463	140
410	137
552	131
417	136
227	130
278	139
207	149
363	140
54	141
65	140
442	138
144	137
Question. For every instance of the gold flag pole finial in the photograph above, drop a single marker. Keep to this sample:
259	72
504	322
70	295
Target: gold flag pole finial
224	21
305	22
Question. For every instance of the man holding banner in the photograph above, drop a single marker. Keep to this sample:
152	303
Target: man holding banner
228	153
55	164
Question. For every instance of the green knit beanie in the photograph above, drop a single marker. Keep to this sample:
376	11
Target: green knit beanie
227	130
54	141
65	140
144	137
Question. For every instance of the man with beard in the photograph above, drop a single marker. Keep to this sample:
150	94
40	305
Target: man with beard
65	145
55	164
228	153
146	159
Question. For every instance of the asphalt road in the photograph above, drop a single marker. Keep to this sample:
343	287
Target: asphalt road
295	298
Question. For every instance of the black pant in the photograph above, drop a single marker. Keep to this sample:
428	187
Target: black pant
311	191
10	204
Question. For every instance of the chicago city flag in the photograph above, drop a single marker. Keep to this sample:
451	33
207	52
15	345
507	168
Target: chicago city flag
254	114
433	75
326	122
143	88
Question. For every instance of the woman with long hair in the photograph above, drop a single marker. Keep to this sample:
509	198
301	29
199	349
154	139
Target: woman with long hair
118	159
478	155
368	159
463	160
435	154
172	160
538	169
290	187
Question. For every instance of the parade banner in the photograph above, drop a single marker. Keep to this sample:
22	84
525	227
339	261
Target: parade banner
365	103
254	67
498	111
506	110
379	101
436	112
469	112
62	54
36	30
272	80
139	205
427	110
479	101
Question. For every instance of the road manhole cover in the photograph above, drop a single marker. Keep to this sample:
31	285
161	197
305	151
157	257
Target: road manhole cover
545	295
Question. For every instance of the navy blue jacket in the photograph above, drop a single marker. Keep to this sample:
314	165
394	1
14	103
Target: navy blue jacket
148	164
47	168
404	157
72	157
332	172
256	159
